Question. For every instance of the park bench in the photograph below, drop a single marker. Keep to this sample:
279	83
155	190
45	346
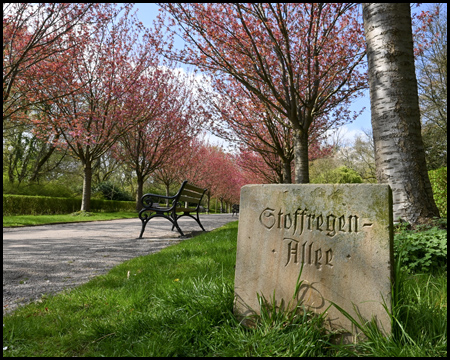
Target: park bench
235	209
187	200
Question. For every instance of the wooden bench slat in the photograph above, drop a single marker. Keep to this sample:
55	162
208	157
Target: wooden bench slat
189	199
192	193
194	188
196	197
183	209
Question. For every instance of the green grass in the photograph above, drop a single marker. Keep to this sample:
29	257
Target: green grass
419	317
79	216
178	302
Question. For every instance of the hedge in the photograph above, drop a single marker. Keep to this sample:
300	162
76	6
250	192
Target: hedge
44	205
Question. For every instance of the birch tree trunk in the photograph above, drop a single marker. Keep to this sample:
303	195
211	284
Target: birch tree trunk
399	151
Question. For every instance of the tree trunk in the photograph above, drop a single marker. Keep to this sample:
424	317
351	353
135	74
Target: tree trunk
139	191
167	192
208	201
39	164
399	152
301	157
287	175
87	186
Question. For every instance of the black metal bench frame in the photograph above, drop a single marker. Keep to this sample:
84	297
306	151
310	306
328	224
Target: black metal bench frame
187	200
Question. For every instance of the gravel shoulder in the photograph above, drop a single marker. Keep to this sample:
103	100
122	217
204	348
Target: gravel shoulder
39	260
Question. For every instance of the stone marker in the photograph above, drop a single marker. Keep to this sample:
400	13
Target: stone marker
341	233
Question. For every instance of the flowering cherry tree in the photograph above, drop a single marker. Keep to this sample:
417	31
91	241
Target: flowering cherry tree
171	119
111	72
206	166
241	118
302	60
34	32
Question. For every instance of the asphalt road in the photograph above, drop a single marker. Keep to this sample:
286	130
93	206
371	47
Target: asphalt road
46	259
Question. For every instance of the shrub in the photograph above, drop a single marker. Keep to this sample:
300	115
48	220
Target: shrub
340	175
422	251
112	192
112	205
438	179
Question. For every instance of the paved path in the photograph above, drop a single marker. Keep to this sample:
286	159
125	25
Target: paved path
46	259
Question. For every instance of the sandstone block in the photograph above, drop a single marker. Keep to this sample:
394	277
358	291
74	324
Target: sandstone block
342	234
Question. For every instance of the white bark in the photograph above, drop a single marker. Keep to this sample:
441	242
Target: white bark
399	152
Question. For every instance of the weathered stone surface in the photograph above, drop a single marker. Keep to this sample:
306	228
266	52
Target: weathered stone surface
341	233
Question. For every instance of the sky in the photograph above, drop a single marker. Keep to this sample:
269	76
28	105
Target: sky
147	12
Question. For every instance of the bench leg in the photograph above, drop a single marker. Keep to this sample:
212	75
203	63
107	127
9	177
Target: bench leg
145	219
144	224
175	224
193	217
198	221
173	220
179	230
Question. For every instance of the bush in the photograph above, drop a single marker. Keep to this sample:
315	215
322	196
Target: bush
422	251
340	175
438	179
112	205
111	192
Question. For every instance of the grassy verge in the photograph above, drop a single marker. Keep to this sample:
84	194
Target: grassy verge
79	216
28	220
178	302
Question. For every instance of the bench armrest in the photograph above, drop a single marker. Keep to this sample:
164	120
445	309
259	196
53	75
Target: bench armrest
152	200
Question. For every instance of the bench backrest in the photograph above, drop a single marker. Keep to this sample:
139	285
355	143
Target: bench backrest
190	195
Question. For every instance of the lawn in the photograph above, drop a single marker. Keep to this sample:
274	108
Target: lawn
79	216
179	301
